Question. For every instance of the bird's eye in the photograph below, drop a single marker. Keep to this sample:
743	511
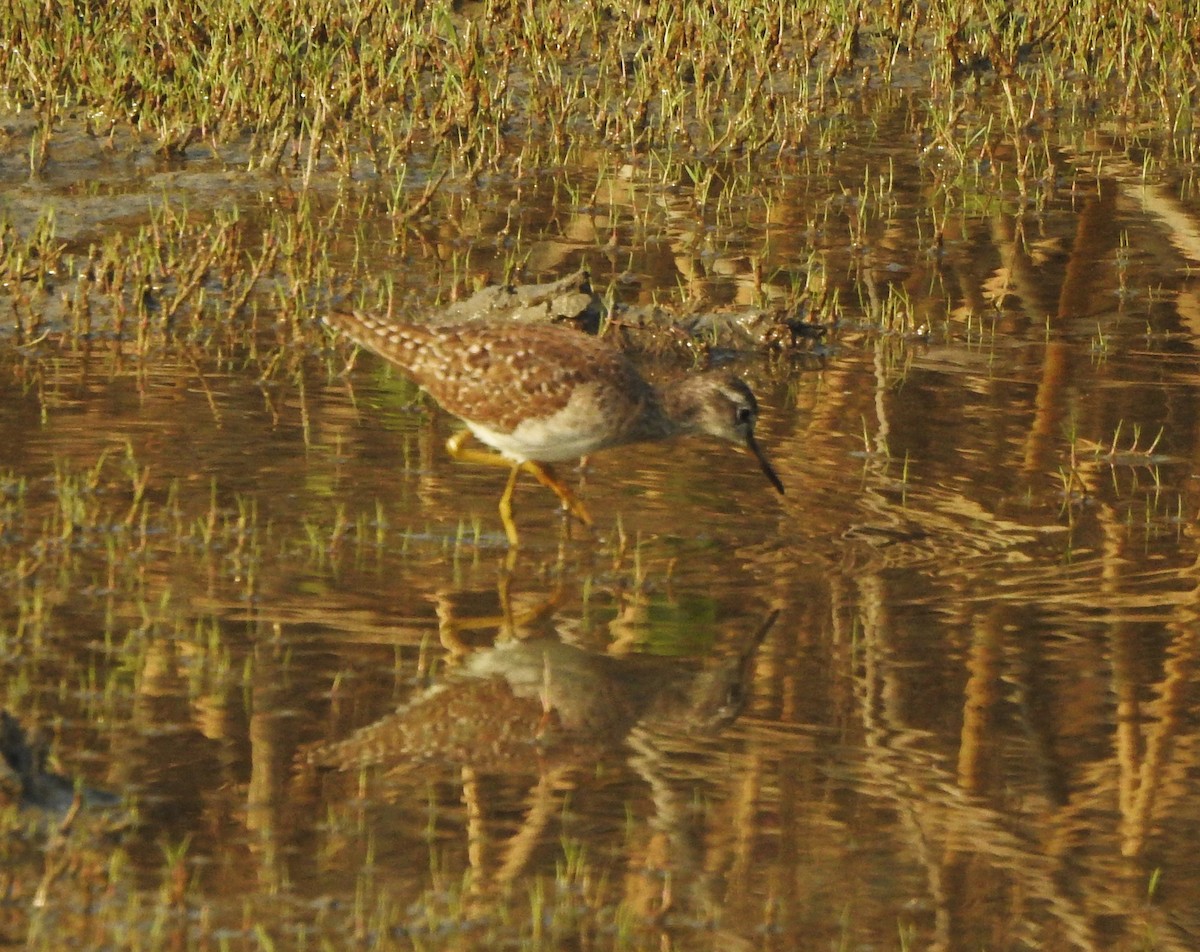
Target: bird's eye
744	415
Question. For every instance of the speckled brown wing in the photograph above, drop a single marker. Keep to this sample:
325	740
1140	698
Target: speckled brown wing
497	374
477	721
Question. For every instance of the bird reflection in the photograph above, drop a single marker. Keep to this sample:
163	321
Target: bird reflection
522	706
547	711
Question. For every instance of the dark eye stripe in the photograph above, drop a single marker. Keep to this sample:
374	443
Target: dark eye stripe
741	393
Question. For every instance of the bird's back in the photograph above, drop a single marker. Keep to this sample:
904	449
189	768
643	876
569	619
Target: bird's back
504	375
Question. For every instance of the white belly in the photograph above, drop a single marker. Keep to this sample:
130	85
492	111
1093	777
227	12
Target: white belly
541	441
588	423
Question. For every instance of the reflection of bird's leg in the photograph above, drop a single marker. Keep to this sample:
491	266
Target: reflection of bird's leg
476	832
545	802
503	592
667	851
510	621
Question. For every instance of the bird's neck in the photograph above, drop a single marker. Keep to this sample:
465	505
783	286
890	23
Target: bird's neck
681	404
673	409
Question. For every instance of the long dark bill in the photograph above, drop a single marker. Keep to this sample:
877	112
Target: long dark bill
767	468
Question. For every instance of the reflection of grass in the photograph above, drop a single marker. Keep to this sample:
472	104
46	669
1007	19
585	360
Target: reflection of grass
1135	463
1132	455
75	882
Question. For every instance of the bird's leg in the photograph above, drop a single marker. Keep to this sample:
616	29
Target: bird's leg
465	454
539	471
506	516
545	475
468	454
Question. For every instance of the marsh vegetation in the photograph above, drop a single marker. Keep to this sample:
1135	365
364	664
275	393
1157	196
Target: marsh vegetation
952	246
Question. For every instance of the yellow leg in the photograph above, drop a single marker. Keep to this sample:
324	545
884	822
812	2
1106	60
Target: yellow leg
545	475
465	454
456	447
506	516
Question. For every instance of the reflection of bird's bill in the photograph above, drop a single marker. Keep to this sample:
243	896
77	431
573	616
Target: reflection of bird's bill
759	636
767	468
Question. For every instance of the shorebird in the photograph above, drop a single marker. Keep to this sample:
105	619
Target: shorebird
539	394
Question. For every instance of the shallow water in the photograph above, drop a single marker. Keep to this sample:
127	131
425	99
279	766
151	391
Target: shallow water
971	725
